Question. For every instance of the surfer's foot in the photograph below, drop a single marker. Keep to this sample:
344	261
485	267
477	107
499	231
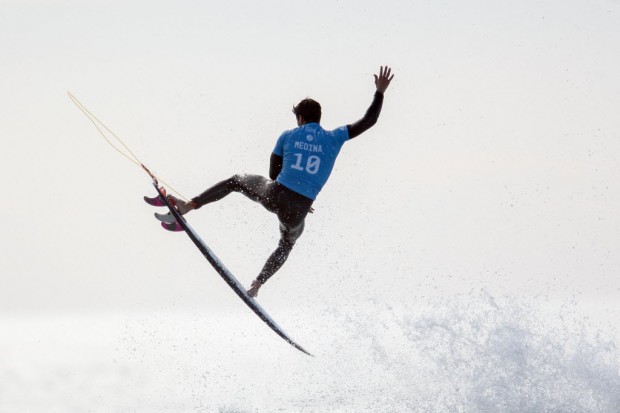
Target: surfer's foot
253	291
182	206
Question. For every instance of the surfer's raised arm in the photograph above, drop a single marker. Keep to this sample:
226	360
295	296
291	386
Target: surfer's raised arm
382	81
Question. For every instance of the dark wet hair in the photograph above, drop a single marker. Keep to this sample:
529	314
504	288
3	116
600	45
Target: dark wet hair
308	109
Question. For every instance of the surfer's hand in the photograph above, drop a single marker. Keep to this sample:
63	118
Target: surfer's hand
311	210
383	80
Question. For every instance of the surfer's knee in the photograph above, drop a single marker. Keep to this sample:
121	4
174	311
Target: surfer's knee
289	235
286	244
236	179
236	182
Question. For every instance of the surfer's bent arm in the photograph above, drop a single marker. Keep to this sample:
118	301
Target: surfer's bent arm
275	166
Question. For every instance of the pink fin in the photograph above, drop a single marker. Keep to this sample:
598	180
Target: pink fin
174	226
155	201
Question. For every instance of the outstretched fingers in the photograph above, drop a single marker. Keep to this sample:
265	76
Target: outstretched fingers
385	72
383	80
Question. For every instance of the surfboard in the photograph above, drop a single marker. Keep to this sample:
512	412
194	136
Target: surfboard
226	275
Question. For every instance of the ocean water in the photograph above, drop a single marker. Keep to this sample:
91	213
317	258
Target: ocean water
465	353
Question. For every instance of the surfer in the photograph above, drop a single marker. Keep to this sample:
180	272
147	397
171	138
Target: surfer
301	162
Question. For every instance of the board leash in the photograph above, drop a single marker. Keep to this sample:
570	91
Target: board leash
127	152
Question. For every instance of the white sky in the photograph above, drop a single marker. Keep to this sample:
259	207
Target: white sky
494	164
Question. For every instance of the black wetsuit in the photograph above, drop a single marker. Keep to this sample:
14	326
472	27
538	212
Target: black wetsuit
290	207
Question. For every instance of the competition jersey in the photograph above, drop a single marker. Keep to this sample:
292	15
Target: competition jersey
308	156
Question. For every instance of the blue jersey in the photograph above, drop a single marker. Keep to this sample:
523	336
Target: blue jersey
308	156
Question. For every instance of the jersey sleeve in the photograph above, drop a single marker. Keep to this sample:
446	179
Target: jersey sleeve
341	134
279	149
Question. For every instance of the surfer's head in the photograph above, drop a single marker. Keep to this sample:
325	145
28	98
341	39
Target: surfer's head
308	110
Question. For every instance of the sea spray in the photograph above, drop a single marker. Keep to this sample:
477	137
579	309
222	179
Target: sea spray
462	353
476	353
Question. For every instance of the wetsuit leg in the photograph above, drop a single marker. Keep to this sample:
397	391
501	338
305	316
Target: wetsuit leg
255	187
288	237
292	210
